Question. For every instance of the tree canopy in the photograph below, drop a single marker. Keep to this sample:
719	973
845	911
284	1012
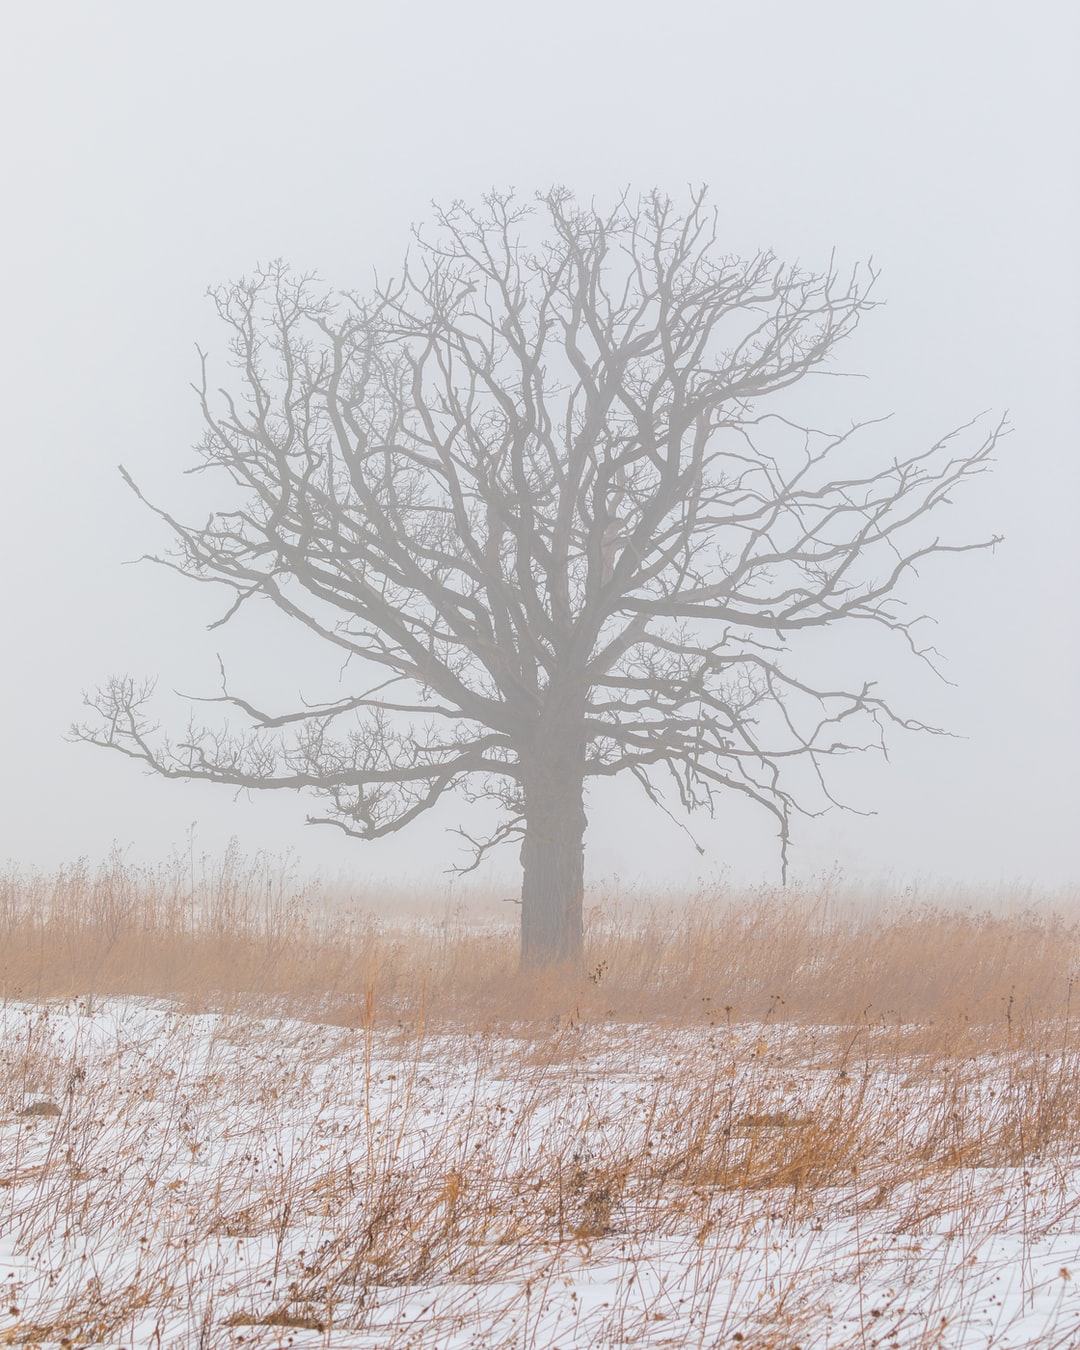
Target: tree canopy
543	489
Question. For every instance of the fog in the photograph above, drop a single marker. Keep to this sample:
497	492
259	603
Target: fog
153	151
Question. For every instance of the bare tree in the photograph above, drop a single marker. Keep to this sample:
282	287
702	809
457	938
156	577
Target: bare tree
529	488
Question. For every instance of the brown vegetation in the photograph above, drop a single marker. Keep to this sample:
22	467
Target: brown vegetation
873	1101
245	931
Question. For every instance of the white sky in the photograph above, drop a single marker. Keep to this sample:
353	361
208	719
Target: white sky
153	149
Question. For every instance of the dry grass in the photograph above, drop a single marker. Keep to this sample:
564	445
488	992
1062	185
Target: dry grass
215	1179
245	932
770	1120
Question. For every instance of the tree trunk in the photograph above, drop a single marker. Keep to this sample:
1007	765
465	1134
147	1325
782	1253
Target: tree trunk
552	856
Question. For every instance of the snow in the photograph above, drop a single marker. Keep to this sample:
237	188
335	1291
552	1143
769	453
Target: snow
411	1187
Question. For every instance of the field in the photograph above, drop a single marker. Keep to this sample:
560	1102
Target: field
236	1112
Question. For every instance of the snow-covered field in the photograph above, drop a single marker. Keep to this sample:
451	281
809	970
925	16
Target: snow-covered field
234	1180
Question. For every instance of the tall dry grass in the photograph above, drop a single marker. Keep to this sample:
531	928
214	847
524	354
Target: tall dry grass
741	1098
245	930
225	1181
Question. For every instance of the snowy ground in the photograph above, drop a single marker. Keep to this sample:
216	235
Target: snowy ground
230	1180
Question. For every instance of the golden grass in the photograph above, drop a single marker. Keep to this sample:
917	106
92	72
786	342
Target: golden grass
865	1095
254	1177
245	932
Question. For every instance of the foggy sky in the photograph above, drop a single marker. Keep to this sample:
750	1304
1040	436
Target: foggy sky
153	150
